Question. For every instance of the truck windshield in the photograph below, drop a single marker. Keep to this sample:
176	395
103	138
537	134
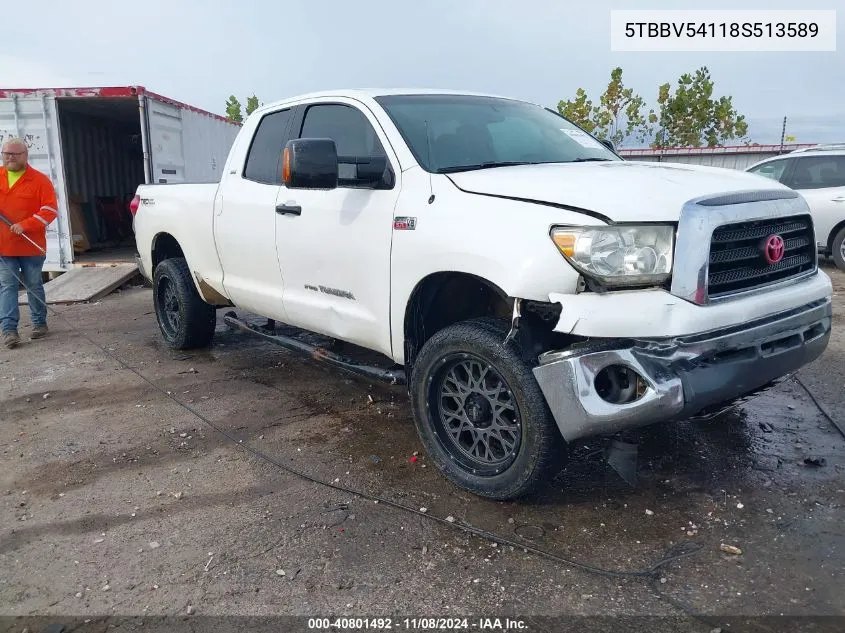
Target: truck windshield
452	133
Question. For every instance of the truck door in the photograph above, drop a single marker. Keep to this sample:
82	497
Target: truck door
245	220
335	254
35	120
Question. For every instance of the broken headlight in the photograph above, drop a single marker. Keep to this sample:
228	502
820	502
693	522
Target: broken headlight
619	255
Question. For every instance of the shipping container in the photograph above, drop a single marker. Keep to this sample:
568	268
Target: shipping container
97	145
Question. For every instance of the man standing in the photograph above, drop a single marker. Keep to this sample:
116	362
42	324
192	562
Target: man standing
28	200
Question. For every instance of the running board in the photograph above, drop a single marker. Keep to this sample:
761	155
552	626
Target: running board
390	376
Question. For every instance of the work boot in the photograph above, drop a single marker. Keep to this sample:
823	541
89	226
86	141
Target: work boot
39	331
11	339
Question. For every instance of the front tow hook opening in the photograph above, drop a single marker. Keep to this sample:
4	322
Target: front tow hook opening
619	384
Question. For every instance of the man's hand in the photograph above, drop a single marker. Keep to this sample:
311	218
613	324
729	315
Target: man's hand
17	229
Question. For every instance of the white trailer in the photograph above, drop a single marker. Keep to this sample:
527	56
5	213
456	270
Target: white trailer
97	145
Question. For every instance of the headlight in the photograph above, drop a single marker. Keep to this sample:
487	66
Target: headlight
619	255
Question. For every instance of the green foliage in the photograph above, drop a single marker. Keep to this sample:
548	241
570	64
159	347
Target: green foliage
233	109
688	117
251	104
691	117
579	110
618	116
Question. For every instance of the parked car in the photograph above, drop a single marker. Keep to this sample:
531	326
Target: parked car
818	174
529	286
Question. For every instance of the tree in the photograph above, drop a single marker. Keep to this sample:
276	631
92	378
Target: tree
233	109
251	104
579	110
618	116
690	116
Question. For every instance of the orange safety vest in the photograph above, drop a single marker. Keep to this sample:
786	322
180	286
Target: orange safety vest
30	202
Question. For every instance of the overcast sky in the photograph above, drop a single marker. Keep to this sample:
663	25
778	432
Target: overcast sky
200	51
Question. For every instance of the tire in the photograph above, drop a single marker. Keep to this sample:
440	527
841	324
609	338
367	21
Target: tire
838	249
528	449
185	320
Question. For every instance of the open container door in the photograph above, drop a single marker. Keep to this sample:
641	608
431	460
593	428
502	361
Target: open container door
35	120
167	155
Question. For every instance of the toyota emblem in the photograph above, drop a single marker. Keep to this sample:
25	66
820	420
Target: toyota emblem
773	249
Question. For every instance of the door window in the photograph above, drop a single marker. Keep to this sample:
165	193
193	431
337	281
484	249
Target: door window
818	172
773	169
263	163
355	138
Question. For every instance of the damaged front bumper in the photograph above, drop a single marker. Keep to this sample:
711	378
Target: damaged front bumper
679	377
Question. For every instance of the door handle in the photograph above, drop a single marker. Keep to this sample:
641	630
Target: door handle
838	199
288	209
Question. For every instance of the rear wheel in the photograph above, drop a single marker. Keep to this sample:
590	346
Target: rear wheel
838	249
480	412
185	320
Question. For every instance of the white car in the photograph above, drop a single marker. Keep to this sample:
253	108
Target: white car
528	285
818	174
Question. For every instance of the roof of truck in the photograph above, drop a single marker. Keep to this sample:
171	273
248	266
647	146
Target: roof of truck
372	93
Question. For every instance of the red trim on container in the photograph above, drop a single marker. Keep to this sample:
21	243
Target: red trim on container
108	92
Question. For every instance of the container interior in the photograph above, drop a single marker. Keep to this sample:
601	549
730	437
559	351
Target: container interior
103	161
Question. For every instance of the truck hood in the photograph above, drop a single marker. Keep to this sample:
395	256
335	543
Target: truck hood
620	191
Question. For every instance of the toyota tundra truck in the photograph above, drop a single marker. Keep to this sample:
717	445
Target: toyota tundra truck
528	286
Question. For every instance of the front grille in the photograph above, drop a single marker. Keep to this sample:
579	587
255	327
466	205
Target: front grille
737	261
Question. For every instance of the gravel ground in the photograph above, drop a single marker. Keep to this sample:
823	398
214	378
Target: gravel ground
119	501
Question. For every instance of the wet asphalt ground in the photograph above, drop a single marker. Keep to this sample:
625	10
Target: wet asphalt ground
117	500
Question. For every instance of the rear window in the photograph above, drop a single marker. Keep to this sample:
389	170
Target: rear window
263	163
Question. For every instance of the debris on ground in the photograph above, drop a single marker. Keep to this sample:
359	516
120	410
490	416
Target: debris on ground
740	506
649	513
190	610
413	459
154	544
450	519
815	461
730	549
280	572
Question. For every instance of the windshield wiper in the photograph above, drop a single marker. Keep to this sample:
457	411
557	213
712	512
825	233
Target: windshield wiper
588	160
488	165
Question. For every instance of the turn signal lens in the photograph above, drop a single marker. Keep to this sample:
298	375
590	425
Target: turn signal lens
565	242
286	166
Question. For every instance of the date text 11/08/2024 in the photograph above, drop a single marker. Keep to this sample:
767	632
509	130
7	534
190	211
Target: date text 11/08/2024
417	624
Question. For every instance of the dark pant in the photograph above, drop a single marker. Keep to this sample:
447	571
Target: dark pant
13	270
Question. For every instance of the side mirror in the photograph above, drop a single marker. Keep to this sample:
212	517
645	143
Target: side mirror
310	163
370	170
608	144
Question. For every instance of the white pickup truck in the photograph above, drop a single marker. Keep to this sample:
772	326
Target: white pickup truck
528	285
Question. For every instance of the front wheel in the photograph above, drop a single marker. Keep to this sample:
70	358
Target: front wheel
185	320
838	249
480	413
